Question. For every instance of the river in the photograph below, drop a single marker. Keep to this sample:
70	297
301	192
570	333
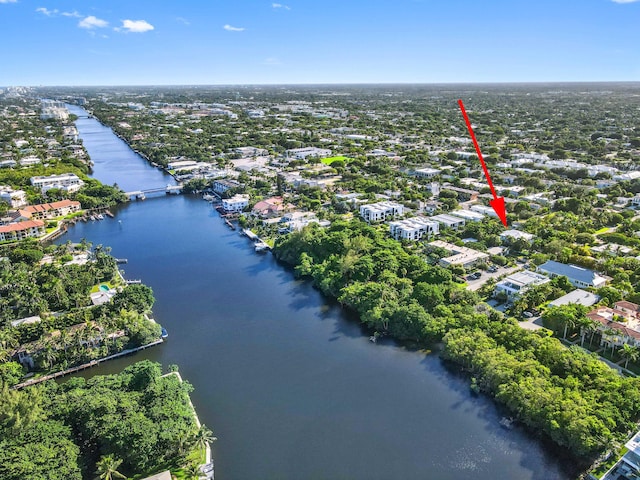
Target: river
288	381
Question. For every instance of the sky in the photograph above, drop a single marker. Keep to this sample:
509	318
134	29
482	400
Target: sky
189	42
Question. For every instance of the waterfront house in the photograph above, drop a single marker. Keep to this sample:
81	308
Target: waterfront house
578	276
235	204
517	284
68	182
269	208
221	186
21	230
51	210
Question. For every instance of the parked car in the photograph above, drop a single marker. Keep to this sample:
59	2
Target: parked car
528	314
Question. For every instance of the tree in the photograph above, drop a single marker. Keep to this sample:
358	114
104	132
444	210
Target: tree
629	353
107	468
203	437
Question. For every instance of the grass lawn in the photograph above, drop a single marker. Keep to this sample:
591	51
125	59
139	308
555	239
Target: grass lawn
604	467
340	158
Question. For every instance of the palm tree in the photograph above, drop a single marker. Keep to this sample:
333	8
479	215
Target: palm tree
107	468
569	321
203	436
193	471
628	353
586	325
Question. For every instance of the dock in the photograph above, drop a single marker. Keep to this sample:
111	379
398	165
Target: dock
84	366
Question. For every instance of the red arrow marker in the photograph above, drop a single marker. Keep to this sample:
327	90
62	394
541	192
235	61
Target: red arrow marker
498	202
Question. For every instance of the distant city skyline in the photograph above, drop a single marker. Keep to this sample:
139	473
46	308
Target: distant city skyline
73	42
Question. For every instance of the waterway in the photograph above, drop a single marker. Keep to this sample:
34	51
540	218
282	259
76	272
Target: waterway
288	381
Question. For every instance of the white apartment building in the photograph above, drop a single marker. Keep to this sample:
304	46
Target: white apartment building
484	210
237	203
302	153
381	211
414	228
15	198
67	181
426	172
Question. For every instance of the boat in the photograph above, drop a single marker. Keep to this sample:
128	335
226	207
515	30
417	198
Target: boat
262	247
164	334
208	198
100	216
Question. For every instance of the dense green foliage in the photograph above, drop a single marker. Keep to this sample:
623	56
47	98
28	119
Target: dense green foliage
57	288
572	397
60	432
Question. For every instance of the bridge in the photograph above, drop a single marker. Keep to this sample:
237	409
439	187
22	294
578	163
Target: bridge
141	194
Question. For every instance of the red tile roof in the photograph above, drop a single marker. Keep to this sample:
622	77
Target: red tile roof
16	227
45	207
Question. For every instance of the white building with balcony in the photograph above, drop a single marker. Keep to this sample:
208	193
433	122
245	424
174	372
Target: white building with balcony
66	181
381	211
414	228
235	204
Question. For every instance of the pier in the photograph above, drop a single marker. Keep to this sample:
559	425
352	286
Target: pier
84	366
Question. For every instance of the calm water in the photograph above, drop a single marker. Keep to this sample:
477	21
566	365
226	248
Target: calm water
290	384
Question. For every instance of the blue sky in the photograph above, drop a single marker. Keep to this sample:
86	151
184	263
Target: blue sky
143	42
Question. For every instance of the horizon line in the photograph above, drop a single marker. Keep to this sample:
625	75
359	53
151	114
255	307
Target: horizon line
312	84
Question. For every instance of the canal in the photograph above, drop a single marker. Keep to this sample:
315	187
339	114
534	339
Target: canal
290	383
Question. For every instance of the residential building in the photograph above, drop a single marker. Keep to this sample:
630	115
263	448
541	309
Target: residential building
518	283
635	201
66	181
618	325
181	164
468	215
8	163
463	256
426	172
516	235
221	186
237	203
295	221
381	211
414	228
21	230
464	194
578	296
578	276
449	221
251	151
15	198
269	208
484	210
30	161
303	153
51	210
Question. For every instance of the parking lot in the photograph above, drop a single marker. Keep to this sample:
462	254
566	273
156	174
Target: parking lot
474	285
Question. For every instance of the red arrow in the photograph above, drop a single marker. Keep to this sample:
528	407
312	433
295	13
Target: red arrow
498	202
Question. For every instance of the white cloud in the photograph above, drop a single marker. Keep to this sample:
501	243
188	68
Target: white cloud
182	20
271	61
136	26
71	14
625	1
92	22
229	28
8	1
280	5
46	11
